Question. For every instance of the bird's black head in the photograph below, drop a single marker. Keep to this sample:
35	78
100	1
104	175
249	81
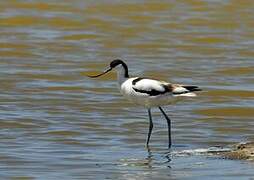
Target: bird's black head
116	62
113	64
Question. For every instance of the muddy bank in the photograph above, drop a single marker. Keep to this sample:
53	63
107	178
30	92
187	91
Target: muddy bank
242	151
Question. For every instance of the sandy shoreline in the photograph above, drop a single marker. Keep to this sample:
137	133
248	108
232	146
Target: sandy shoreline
242	151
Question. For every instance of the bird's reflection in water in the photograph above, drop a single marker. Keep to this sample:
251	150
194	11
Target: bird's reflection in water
152	161
149	157
155	158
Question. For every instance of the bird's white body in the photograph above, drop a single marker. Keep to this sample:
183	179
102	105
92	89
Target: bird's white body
135	91
126	89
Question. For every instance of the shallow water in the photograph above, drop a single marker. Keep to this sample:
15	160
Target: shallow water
56	123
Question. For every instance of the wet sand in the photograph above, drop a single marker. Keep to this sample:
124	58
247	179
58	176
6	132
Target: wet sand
241	151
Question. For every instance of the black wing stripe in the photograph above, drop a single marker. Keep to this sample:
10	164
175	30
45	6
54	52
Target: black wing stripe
134	82
192	88
183	92
153	92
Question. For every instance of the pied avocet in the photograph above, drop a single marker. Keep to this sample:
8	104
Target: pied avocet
148	92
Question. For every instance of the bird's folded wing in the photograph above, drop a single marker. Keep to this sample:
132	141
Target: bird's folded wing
150	87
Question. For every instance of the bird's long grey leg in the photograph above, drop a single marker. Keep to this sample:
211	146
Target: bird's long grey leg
169	127
150	127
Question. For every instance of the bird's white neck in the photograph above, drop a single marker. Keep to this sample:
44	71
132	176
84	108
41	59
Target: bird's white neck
122	74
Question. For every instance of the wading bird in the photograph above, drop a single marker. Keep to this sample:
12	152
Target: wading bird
148	92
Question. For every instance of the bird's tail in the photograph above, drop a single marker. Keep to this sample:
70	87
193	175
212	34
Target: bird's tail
192	88
185	90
